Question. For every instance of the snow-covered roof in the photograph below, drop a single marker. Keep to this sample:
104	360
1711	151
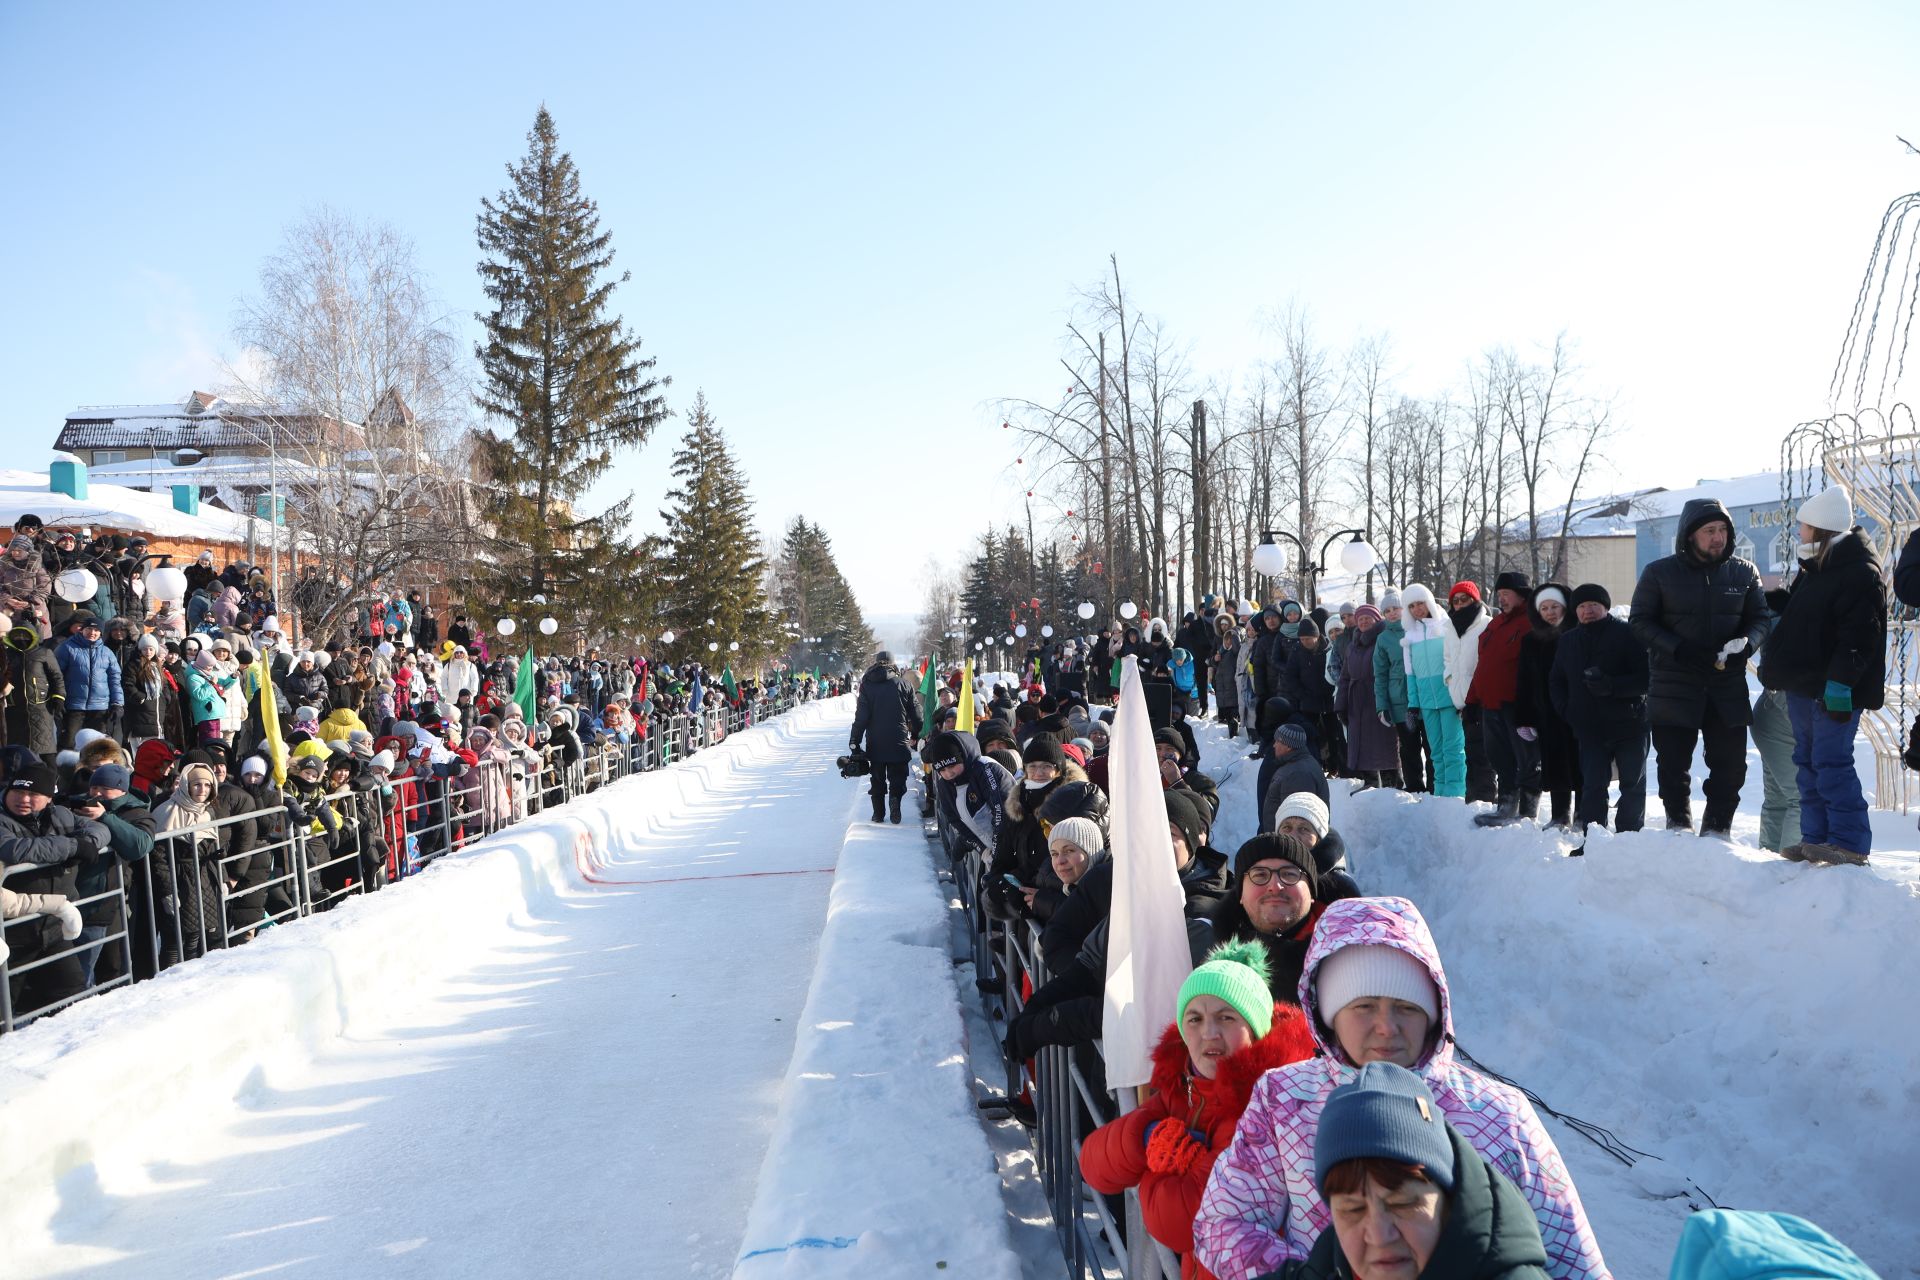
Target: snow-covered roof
113	506
1598	516
1762	488
222	469
198	422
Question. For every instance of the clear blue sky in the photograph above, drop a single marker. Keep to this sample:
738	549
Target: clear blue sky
856	226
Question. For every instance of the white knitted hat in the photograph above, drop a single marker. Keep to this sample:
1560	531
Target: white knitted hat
1831	510
1083	832
1371	969
1304	804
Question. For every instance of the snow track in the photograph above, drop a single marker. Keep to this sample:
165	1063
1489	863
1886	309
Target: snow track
559	1053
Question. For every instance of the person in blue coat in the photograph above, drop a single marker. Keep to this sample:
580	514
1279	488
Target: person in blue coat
92	676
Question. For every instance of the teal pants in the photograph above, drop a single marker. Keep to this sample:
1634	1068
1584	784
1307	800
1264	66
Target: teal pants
1447	743
1780	806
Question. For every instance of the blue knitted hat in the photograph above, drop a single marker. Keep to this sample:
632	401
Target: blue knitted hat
1384	1112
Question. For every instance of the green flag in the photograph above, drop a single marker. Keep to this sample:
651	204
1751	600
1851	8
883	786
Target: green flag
929	692
726	681
817	677
523	695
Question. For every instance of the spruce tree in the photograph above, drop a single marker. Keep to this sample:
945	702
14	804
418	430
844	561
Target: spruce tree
711	566
815	601
565	379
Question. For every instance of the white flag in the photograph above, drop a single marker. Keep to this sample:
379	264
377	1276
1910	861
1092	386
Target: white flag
1147	954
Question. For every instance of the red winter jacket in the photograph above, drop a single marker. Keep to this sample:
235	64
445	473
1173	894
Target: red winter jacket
1496	681
1114	1156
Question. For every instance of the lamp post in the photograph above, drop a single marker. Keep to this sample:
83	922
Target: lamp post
1357	557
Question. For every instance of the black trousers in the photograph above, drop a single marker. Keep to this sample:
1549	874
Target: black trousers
1726	757
1416	767
1599	758
1480	779
77	720
1515	761
888	780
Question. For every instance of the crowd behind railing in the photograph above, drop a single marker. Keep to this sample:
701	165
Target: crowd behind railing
172	791
1309	1099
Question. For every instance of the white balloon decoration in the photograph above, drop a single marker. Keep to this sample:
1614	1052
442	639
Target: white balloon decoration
167	583
76	585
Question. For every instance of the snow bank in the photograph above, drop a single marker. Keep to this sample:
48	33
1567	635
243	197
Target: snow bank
1748	1020
879	1165
86	1093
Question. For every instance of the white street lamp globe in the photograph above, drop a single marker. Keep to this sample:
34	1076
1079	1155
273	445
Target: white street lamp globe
75	585
1357	557
1021	631
666	637
1046	631
1086	609
1128	609
1008	642
1269	559
978	644
506	626
733	646
167	583
548	626
713	646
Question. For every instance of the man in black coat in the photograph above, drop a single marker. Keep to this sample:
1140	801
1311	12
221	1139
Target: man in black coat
887	716
55	844
1599	686
1196	637
1698	612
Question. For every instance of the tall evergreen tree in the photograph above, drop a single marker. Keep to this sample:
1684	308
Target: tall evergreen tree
566	380
712	567
815	601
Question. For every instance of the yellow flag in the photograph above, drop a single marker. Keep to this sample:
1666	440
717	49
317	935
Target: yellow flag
276	750
964	721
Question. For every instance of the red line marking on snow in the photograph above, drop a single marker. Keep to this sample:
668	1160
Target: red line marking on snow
735	875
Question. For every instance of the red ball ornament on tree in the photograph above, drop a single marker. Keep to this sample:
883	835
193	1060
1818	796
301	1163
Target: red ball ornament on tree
1096	566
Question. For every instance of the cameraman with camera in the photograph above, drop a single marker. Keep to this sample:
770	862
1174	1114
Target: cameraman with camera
887	717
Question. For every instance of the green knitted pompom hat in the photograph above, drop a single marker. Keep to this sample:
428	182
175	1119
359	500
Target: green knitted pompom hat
1234	972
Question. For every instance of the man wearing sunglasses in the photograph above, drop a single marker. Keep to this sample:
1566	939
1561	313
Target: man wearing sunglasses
1276	887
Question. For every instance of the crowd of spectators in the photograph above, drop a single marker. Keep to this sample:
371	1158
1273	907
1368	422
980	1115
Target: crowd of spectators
182	772
1308	1113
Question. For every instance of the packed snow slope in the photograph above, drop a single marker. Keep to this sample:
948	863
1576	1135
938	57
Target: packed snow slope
561	1053
1749	1021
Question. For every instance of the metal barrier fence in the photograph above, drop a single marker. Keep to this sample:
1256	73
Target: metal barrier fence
215	885
1066	1088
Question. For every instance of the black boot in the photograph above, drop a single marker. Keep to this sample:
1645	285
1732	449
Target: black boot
1528	810
1680	819
1504	815
1562	810
879	809
893	810
1716	823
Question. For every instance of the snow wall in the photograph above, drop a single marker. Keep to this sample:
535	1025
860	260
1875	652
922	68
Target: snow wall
877	1080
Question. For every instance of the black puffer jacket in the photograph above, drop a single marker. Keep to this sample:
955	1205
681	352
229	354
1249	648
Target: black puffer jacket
1684	610
1616	702
1834	627
1266	657
887	715
38	693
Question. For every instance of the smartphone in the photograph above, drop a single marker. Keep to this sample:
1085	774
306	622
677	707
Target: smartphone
1013	881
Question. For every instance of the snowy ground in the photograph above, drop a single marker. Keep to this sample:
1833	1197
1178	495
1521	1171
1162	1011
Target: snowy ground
495	1070
1749	1021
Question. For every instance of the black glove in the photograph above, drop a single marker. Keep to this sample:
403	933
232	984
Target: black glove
85	847
1694	655
1597	682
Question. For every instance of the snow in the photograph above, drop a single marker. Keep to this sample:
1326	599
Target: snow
561	1052
113	506
1761	488
1729	1012
878	1110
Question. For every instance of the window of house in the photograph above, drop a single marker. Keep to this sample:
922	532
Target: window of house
1743	549
1785	549
107	457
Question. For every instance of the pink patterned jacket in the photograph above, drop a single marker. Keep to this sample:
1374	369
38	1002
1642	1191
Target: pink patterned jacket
1261	1208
